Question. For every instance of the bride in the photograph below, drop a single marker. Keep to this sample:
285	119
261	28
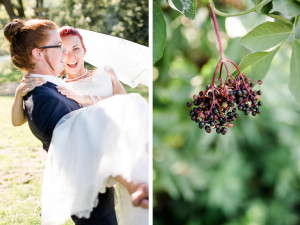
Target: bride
116	151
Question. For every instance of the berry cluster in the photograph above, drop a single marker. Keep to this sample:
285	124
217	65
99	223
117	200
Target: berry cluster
218	107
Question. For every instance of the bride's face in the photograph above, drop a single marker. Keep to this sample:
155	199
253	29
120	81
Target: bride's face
74	63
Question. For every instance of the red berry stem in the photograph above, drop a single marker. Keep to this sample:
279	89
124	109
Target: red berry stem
211	8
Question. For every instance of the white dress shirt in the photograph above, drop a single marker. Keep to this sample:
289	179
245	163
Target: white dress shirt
49	78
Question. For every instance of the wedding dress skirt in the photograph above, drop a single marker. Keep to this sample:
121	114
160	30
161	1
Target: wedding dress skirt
89	146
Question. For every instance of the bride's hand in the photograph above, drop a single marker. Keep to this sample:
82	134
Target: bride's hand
28	84
80	99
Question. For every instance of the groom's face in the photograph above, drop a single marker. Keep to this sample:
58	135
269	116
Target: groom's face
54	56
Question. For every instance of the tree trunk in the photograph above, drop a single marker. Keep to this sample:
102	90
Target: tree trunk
9	8
21	9
39	4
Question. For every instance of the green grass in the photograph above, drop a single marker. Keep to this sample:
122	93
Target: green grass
22	162
9	73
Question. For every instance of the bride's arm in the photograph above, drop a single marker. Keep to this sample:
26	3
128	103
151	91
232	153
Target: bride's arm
87	100
117	86
18	117
84	100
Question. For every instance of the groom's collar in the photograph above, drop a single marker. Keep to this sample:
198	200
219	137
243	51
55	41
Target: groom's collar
50	78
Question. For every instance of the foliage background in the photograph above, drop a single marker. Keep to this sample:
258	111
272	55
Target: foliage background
21	155
250	176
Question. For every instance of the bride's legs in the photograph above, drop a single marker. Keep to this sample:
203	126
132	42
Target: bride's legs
139	192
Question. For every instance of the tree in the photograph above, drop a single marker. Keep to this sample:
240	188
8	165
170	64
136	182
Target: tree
124	19
11	8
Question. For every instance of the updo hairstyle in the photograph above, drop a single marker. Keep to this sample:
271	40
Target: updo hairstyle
24	36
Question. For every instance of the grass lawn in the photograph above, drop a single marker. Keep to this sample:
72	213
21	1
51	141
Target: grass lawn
22	162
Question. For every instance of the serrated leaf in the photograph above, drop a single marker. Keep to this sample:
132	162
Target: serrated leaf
286	7
186	7
159	33
294	81
265	36
257	64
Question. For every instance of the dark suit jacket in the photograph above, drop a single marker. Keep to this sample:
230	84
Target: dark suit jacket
44	107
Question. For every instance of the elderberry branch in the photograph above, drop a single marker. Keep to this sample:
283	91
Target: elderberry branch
254	9
216	107
216	71
211	8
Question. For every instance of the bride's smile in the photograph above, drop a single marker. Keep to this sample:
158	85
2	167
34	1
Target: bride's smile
72	65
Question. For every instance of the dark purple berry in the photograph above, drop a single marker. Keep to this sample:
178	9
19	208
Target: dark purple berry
207	129
201	124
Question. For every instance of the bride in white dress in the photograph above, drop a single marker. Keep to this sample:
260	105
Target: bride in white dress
119	123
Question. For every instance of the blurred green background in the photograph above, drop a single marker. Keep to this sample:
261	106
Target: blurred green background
250	176
22	158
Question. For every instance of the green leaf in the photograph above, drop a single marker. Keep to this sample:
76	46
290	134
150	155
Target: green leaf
286	7
278	17
159	33
257	64
294	82
265	36
266	10
186	7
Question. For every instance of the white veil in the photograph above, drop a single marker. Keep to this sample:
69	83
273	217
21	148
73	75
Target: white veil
129	60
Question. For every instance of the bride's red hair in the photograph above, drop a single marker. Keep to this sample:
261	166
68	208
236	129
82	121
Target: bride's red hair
71	31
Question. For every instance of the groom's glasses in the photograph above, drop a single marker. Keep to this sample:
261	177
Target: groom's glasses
53	46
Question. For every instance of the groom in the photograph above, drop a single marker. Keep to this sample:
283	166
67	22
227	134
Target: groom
38	50
44	107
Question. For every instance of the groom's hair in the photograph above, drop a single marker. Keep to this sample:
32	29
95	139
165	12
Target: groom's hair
25	35
71	31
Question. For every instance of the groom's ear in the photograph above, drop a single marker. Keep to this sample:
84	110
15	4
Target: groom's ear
37	54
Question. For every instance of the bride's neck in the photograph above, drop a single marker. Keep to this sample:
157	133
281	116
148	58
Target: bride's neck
73	76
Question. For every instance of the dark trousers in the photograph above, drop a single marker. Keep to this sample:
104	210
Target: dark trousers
103	214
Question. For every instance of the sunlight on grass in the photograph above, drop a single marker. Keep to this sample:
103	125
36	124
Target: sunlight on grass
22	162
9	73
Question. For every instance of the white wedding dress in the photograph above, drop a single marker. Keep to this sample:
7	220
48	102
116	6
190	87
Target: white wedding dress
91	145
